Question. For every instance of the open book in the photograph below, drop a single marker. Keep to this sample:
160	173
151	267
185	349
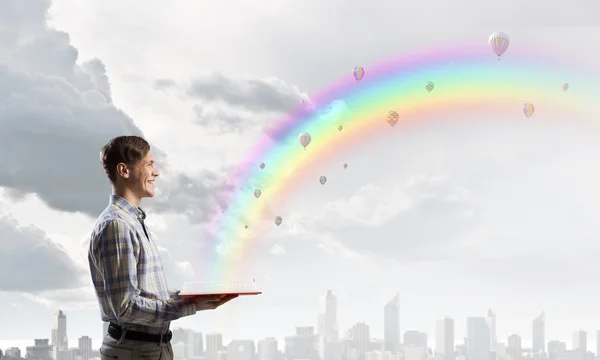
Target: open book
219	288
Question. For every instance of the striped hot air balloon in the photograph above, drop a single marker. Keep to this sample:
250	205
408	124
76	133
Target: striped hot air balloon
278	220
528	110
358	72
304	139
498	42
392	117
323	180
429	86
257	193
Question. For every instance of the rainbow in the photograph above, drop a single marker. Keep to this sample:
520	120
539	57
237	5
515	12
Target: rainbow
470	83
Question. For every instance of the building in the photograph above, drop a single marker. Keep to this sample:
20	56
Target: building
267	349
556	349
13	352
491	321
327	327
59	331
241	350
515	348
42	350
539	334
195	344
214	344
580	341
598	344
444	338
391	325
478	339
415	338
303	345
360	338
85	347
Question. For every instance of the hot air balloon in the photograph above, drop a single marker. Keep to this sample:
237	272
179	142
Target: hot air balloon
304	139
262	165
528	110
345	166
498	42
245	226
340	127
429	86
278	220
322	180
257	193
565	87
358	72
392	117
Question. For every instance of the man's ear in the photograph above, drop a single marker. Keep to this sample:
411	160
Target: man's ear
123	170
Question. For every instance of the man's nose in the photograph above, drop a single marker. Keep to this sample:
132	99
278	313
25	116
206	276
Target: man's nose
156	173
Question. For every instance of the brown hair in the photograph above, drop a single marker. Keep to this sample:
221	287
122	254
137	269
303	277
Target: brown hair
122	149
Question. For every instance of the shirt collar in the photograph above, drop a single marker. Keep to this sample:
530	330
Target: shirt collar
125	205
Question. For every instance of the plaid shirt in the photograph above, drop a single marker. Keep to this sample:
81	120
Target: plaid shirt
127	272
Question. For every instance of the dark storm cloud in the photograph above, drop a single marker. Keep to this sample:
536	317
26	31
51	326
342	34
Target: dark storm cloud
31	262
257	95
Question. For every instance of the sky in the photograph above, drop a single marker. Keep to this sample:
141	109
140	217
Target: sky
469	217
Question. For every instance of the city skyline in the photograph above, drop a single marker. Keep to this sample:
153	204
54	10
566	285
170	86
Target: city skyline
479	328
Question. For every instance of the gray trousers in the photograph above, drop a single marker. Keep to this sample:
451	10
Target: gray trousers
112	349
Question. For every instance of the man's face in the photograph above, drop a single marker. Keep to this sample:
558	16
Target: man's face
142	177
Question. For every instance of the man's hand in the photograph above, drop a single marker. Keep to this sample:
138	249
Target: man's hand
212	302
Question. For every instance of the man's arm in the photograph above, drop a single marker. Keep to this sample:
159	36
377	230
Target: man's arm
118	264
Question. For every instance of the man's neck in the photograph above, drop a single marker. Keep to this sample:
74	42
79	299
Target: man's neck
128	195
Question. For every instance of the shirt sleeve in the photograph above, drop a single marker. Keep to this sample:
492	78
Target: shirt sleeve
117	261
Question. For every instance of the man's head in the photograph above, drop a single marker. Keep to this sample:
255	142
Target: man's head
129	165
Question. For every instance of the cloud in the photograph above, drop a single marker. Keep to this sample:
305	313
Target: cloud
31	262
258	95
55	115
199	196
277	250
409	220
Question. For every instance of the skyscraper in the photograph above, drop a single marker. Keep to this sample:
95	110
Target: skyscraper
444	338
515	349
59	331
598	344
491	321
85	347
195	344
478	339
539	334
361	339
327	323
214	344
580	341
391	325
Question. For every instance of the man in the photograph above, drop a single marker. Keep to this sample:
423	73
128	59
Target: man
125	264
